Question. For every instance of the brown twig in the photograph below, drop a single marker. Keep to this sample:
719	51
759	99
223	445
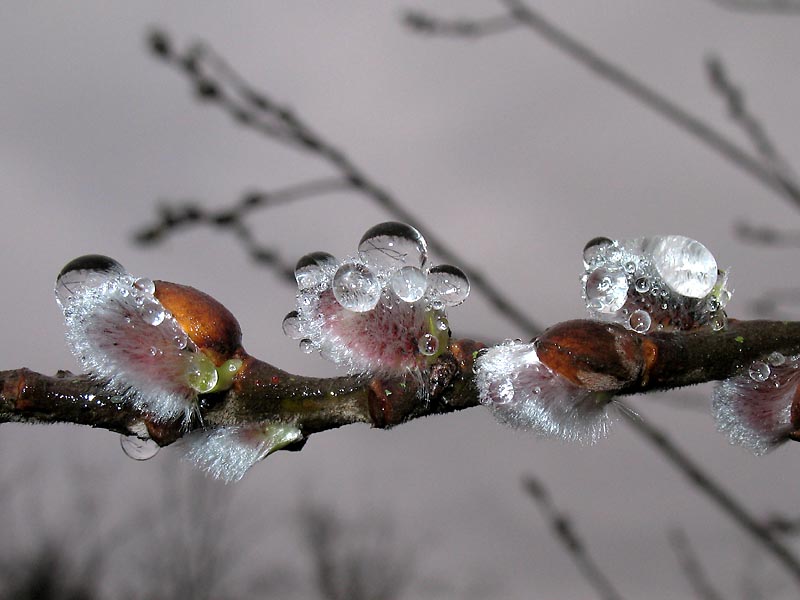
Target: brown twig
692	567
783	7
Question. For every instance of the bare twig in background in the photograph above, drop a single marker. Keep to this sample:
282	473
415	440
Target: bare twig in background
767	235
564	532
783	7
776	303
215	81
640	92
737	109
692	567
476	28
723	499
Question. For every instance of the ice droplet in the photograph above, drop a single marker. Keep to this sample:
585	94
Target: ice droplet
85	271
759	371
314	270
356	288
685	265
595	249
607	289
640	321
389	246
448	284
428	344
291	326
409	283
137	448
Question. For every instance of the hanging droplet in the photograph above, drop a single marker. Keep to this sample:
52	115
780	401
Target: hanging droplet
356	288
718	322
428	344
640	321
607	289
313	271
307	346
85	271
685	265
448	284
292	326
409	283
137	448
759	371
390	246
595	250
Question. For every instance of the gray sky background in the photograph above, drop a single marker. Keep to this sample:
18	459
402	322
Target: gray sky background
503	147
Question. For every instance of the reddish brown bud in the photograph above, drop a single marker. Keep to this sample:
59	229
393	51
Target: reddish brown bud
210	325
600	357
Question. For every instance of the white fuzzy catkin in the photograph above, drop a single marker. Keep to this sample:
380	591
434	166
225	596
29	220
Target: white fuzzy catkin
526	394
228	452
121	333
754	408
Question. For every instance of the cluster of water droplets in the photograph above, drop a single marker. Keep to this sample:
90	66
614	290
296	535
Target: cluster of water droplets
388	281
667	282
755	407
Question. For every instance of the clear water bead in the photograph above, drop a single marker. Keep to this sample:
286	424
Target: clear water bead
428	344
137	448
685	265
356	288
85	271
409	283
314	270
776	359
448	284
146	285
642	285
606	289
595	250
291	326
307	346
640	321
152	312
759	371
389	246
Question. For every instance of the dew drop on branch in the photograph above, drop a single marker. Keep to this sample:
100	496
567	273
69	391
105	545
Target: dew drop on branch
137	448
389	246
356	287
447	284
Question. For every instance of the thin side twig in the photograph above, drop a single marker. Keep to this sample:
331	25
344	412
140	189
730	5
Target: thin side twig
564	531
692	567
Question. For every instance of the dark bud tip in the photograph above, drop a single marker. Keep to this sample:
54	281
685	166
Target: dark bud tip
92	262
159	43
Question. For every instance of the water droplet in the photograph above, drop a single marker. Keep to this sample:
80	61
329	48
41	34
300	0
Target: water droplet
713	304
152	312
180	338
501	392
776	359
313	271
390	246
640	321
409	283
201	373
448	284
724	297
85	271
291	326
307	346
595	250
607	289
718	322
146	285
441	323
759	371
630	267
137	448
356	288
685	265
642	285
428	344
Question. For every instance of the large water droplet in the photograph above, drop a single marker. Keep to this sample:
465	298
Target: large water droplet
387	247
356	288
152	312
291	326
201	373
137	448
146	285
428	344
409	283
607	289
759	371
640	321
314	270
595	250
685	265
448	284
85	271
